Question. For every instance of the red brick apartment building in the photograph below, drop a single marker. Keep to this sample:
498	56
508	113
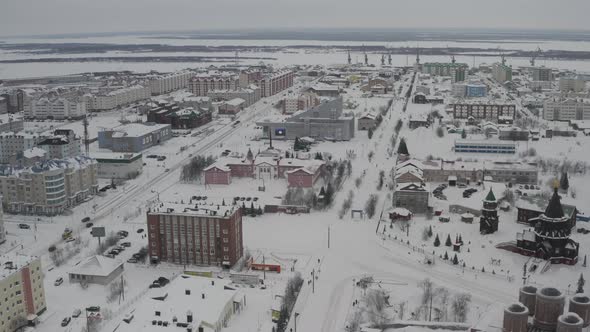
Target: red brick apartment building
194	234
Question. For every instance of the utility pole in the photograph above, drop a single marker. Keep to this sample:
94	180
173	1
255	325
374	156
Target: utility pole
86	140
313	281
296	315
264	267
328	237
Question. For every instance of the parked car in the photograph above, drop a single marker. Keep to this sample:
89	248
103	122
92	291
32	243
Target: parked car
24	226
163	281
86	219
140	230
76	313
88	225
128	318
255	199
58	281
66	321
113	252
94	308
248	199
204	198
152	156
126	244
70	239
109	255
122	234
132	260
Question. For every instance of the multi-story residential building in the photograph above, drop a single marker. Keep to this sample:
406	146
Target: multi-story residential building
455	70
458	90
21	290
12	145
172	114
304	101
11	123
168	83
270	83
109	100
48	187
484	110
134	137
62	145
323	121
566	109
201	85
194	234
542	74
575	84
14	100
501	72
56	107
249	95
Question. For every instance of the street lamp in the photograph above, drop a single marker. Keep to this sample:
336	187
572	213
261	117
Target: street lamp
296	315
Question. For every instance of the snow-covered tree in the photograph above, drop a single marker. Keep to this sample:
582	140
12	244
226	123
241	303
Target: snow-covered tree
403	147
250	155
448	243
436	241
581	283
564	182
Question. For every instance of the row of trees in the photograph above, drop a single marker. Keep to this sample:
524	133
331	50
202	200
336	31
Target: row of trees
438	300
291	292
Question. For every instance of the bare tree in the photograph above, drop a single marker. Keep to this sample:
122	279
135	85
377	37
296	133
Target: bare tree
460	306
371	205
376	303
354	322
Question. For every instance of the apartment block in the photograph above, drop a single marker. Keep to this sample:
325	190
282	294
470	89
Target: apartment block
167	83
566	109
202	85
21	291
195	234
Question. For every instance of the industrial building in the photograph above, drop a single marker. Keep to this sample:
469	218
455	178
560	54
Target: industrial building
134	137
121	166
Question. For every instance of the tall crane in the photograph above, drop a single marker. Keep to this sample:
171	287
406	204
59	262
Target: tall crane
86	139
535	55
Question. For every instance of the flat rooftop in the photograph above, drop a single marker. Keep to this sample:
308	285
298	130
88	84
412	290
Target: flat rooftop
12	263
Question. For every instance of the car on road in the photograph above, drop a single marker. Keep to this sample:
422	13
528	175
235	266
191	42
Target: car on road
122	234
113	252
24	226
204	198
86	219
255	199
88	225
58	281
109	255
132	260
93	308
161	158
126	244
66	321
248	199
70	239
140	230
152	156
76	313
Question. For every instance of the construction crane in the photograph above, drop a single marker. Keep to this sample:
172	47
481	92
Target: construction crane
389	58
536	54
453	59
349	59
86	139
383	59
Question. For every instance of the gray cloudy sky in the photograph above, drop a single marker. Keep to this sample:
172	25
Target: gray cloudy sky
77	16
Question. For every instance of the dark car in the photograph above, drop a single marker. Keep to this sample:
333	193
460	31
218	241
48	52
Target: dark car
204	198
24	226
66	321
94	308
152	156
237	198
255	199
86	219
140	230
88	225
163	281
126	244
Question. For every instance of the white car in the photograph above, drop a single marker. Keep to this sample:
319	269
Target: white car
76	313
58	281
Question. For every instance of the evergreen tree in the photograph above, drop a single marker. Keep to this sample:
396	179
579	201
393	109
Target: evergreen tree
581	283
564	182
455	260
223	202
249	155
446	256
287	154
584	264
460	239
370	133
329	195
403	147
436	241
430	231
463	134
259	211
448	243
318	156
243	207
483	269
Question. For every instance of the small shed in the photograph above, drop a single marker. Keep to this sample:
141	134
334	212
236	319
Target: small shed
96	270
467	217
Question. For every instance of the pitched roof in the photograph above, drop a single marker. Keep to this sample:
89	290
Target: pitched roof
97	266
490	197
554	209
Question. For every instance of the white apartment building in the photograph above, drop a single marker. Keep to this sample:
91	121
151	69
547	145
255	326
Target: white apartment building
21	291
168	83
575	84
119	97
62	144
11	144
202	85
566	109
56	108
48	187
501	72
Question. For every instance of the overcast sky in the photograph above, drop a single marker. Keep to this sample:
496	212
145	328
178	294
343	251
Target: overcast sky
21	17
